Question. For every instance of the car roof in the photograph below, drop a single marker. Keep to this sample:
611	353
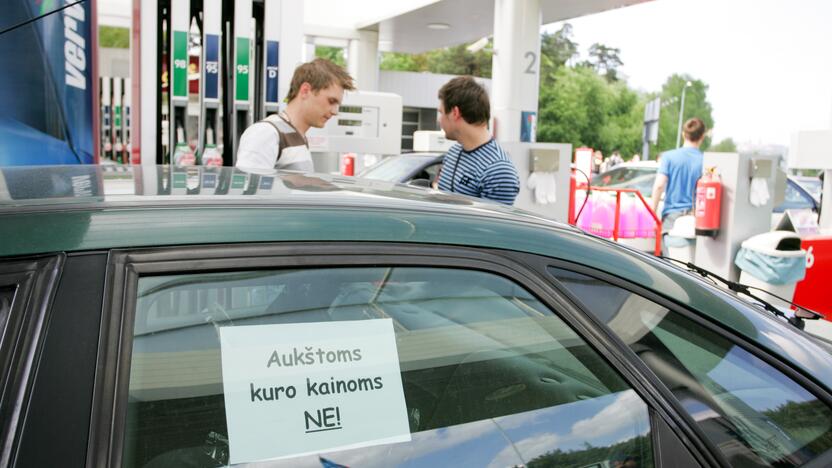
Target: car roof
93	208
57	194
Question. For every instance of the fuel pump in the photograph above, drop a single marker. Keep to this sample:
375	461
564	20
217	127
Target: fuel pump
241	83
243	46
209	96
126	135
178	83
118	146
106	118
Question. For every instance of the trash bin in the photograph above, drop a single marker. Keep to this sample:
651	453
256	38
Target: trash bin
773	262
681	239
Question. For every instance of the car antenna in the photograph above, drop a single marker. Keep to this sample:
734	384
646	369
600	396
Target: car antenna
36	18
745	289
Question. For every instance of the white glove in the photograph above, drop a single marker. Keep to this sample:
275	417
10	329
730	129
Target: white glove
758	194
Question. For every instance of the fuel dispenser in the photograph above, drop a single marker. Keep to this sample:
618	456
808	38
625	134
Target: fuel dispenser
178	83
209	83
106	118
241	84
118	144
368	123
126	123
246	52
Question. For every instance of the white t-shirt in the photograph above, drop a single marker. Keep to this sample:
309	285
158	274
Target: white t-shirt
264	141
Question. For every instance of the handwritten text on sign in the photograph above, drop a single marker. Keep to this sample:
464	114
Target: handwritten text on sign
293	389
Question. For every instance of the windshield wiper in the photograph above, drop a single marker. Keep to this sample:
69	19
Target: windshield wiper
800	312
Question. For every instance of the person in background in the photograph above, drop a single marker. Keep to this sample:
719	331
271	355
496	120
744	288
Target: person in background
615	159
279	140
475	165
636	158
597	161
676	178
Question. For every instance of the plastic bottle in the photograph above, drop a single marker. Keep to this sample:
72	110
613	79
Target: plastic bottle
183	155
211	157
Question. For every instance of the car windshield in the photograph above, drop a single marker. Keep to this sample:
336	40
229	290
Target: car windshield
813	185
396	168
640	178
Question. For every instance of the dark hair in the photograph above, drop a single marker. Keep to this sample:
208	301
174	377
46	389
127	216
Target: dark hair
694	129
319	73
471	99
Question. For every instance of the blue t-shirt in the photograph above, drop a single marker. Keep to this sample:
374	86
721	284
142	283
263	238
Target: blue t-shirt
484	172
683	167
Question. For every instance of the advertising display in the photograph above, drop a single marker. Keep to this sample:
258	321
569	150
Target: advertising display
46	83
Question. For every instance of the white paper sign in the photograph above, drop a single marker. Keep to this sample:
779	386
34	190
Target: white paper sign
301	388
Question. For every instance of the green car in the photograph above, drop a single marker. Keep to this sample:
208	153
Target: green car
193	317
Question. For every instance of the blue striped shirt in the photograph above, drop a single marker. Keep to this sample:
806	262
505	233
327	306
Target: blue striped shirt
484	172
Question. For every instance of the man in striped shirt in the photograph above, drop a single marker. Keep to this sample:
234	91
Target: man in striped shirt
476	165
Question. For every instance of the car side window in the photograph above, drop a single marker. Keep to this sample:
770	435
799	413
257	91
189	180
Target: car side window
753	413
433	171
796	199
6	297
490	375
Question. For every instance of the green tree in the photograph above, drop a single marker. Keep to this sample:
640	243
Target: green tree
727	145
696	105
582	108
111	36
457	60
399	61
556	49
605	59
334	54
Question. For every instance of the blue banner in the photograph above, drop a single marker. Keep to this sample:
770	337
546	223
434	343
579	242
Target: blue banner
272	57
46	83
212	66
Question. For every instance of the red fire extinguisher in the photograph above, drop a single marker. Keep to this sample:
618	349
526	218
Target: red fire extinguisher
348	164
708	203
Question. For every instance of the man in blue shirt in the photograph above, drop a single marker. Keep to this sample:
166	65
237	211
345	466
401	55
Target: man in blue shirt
476	165
679	170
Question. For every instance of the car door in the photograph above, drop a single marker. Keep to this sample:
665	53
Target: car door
752	407
49	341
360	355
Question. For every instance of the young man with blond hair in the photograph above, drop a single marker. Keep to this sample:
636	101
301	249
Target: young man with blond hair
279	140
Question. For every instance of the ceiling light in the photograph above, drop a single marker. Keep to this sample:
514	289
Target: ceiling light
439	26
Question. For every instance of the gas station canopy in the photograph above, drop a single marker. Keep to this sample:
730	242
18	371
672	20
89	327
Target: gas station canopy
411	26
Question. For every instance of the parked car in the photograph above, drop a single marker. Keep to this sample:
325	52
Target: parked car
799	191
211	317
638	175
406	167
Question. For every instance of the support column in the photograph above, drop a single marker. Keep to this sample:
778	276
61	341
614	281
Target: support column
362	60
293	44
515	69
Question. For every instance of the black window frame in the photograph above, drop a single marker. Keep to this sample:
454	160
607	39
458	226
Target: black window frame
797	375
127	266
34	280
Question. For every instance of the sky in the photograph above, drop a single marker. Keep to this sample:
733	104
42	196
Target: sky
768	62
